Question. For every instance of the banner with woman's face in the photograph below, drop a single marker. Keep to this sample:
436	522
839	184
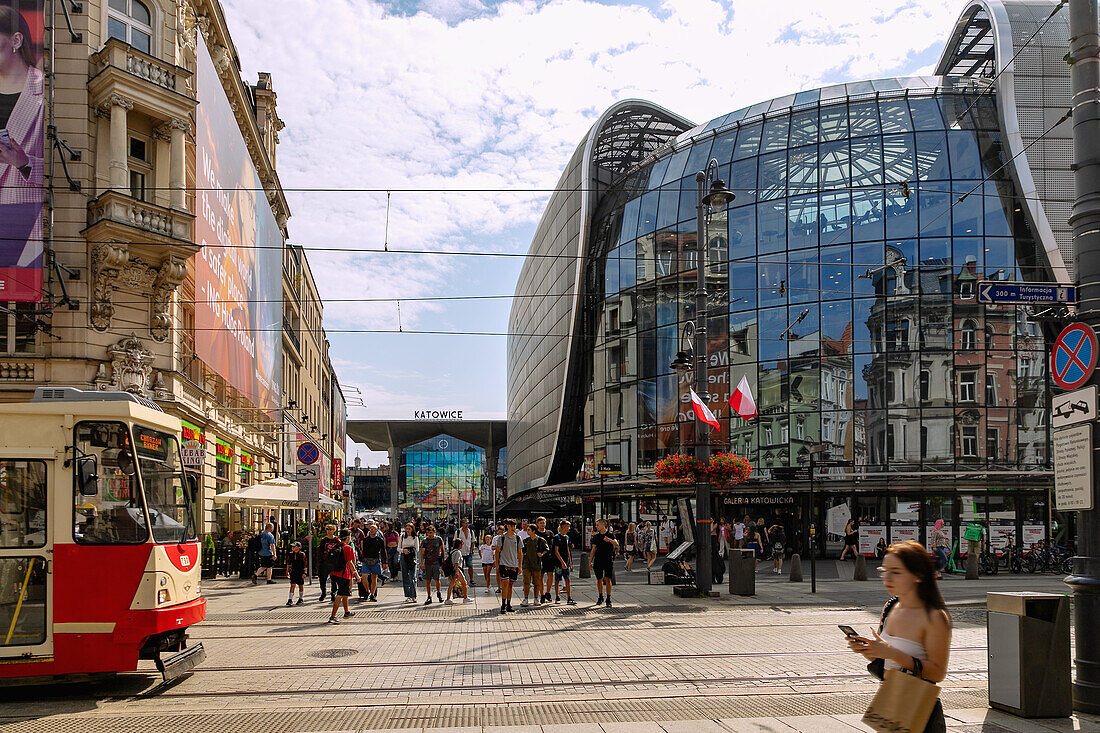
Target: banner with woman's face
22	150
238	270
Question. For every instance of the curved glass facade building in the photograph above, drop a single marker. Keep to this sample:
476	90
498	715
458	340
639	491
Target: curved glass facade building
842	284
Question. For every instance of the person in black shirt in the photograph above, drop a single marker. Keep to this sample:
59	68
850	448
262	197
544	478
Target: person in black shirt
296	571
602	560
373	559
329	543
560	547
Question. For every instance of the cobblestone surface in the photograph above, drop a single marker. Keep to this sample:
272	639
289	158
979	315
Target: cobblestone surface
776	662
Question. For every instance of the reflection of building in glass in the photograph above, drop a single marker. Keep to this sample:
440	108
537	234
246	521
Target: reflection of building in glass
369	487
842	284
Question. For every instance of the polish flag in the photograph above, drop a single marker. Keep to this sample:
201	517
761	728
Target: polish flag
703	412
741	400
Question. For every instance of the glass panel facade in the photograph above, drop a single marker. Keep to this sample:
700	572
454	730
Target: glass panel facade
441	475
844	292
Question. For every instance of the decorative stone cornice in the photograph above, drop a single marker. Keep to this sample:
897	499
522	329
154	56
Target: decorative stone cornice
172	272
131	368
108	261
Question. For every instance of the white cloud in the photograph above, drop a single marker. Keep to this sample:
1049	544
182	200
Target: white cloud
460	95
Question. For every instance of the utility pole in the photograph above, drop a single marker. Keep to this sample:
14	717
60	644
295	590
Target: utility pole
1084	54
704	575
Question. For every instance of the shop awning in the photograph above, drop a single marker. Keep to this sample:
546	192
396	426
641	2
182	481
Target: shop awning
276	492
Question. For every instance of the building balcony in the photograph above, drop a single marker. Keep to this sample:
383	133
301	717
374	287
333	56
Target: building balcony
290	334
157	87
115	216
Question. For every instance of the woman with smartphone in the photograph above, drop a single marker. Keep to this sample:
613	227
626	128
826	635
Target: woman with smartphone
21	96
915	633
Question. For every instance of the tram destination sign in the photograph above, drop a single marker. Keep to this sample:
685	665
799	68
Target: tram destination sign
1002	293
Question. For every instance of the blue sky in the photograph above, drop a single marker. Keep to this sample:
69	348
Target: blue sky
463	94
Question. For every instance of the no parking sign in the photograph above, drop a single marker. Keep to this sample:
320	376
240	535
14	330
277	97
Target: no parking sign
1073	358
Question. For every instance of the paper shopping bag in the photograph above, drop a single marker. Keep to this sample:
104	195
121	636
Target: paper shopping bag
902	704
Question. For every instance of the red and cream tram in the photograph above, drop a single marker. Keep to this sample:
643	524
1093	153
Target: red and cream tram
99	555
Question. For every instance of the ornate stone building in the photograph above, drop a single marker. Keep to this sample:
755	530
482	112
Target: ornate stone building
118	309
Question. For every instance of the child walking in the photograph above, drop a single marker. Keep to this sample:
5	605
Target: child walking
487	557
296	571
457	578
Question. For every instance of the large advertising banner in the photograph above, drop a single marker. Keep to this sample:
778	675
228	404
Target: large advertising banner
22	148
238	271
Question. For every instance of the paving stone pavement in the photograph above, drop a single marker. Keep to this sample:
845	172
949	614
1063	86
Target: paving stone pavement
654	662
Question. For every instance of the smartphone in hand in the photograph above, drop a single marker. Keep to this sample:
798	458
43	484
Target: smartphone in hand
848	631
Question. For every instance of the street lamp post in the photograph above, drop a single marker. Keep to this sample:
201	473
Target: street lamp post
808	456
711	194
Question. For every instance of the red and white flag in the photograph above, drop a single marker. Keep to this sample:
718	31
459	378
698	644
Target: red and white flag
741	400
703	412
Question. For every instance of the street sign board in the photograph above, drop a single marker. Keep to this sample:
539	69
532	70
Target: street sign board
783	473
308	476
308	453
1074	407
995	291
610	469
1073	468
194	454
1073	357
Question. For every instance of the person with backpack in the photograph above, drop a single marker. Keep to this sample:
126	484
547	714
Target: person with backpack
535	548
431	559
329	552
507	561
373	560
267	554
561	548
342	576
456	578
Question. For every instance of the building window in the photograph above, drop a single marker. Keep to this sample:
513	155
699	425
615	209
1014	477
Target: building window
990	389
925	384
966	386
137	185
17	327
891	396
827	429
991	442
767	435
968	339
966	289
970	442
140	165
130	22
800	428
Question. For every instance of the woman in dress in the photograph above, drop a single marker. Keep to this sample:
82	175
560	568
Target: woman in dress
630	545
915	633
649	545
851	539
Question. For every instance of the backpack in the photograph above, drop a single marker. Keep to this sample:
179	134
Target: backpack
334	558
448	566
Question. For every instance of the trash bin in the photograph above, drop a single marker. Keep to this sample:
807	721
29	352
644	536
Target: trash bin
742	566
1029	656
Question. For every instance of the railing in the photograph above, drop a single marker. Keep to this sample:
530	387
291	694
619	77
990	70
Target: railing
292	333
17	370
123	56
125	209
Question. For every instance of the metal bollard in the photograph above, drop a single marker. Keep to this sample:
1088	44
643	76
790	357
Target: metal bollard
796	569
972	561
860	572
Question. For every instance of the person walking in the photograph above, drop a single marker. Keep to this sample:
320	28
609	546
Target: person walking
549	560
508	555
851	539
392	556
914	634
373	562
456	581
487	556
601	559
469	540
327	549
343	576
408	548
562	546
267	554
535	548
431	559
725	537
941	546
649	544
778	540
738	534
630	545
296	572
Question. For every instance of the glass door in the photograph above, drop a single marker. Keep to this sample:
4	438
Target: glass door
25	573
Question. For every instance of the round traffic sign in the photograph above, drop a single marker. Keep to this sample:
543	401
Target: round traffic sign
308	453
1074	356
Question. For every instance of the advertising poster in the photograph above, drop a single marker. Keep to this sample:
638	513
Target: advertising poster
238	270
869	535
22	149
1002	535
436	479
900	532
1033	533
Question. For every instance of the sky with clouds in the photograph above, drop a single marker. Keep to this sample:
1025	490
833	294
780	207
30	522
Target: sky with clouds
467	111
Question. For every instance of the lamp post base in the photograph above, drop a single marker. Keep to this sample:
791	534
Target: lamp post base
1085	583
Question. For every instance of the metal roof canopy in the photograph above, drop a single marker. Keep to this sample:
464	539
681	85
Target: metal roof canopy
382	435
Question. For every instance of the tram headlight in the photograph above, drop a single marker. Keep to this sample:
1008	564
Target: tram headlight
162	596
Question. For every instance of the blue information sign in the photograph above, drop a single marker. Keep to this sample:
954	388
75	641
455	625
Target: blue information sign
1025	293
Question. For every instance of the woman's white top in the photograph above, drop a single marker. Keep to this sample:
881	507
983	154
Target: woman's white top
411	543
906	646
487	555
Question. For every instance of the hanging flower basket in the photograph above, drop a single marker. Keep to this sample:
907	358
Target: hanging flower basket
728	469
679	468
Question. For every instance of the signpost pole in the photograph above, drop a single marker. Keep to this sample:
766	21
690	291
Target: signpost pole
1084	59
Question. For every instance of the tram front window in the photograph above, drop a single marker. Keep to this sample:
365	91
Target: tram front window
115	513
170	510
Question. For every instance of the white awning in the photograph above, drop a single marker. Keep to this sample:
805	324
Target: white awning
276	492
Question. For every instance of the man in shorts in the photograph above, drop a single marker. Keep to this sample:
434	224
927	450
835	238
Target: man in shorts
564	558
267	554
508	558
373	560
342	577
431	560
535	549
549	560
602	559
469	544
